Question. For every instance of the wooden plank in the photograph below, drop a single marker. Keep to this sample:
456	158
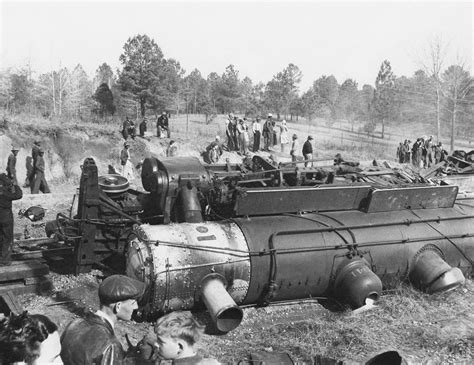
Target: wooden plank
10	304
19	287
429	171
23	269
405	176
467	169
36	241
50	253
376	173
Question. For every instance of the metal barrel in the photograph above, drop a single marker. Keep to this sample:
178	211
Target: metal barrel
225	313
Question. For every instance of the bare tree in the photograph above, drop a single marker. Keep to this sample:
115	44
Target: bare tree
432	63
457	84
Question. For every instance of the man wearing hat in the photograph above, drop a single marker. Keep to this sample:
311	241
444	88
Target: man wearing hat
92	340
268	133
8	192
39	183
11	165
308	151
31	168
163	123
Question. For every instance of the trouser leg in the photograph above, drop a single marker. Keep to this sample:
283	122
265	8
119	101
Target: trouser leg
6	235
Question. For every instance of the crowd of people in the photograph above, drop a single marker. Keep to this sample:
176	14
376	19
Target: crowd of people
263	137
35	175
423	153
10	190
34	339
239	136
129	128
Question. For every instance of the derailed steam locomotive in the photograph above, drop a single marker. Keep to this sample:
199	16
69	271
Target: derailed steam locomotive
224	236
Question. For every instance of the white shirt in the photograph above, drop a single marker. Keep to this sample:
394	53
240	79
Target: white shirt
105	316
256	127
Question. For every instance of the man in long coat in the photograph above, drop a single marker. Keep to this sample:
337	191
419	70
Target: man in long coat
39	183
8	192
268	133
11	165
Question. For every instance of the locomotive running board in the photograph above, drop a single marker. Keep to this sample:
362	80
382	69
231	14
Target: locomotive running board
251	202
420	197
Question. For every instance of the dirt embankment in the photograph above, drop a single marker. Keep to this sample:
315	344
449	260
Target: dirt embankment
67	146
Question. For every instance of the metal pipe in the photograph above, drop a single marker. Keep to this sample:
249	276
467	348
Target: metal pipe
225	313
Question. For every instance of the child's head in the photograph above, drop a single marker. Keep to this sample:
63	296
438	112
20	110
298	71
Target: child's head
177	333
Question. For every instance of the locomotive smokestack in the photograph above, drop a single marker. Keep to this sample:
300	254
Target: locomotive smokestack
190	206
225	313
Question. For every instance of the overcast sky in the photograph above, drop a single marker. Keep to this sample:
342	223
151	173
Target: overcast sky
347	39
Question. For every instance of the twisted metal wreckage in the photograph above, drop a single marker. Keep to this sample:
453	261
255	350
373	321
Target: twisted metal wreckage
221	237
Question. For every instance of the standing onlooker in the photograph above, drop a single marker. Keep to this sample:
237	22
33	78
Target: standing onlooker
11	165
125	128
235	135
439	153
229	133
40	183
406	151
423	152
268	133
8	192
163	123
283	135
246	140
127	167
308	151
429	151
31	171
416	153
295	148
92	340
240	135
257	130
132	130
142	127
275	134
400	152
172	149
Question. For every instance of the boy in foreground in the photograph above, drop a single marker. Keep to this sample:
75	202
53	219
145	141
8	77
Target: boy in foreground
177	335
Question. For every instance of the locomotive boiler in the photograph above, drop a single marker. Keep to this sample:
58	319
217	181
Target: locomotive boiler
224	237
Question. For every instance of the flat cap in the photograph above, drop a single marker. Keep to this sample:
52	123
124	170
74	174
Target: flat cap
117	288
310	137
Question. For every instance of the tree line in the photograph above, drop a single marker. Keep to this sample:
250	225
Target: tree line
148	83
